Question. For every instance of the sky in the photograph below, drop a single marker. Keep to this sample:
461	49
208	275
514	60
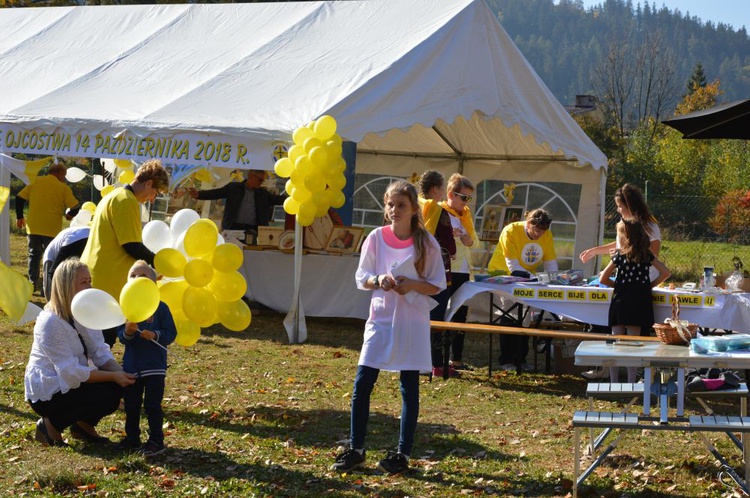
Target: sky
735	13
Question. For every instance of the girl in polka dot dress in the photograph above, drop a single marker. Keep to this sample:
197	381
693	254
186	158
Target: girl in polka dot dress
631	305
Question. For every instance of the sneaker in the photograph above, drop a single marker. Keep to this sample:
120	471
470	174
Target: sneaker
394	463
598	373
128	444
509	367
349	460
462	366
151	449
438	372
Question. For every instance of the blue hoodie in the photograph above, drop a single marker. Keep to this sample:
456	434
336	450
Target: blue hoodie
142	357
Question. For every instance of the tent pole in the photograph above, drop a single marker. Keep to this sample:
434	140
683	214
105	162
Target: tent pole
297	280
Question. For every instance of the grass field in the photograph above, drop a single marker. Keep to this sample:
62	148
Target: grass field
247	414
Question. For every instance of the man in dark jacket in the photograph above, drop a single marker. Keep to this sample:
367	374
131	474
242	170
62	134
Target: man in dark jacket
242	211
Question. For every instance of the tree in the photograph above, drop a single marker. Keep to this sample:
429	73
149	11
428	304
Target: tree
697	79
636	82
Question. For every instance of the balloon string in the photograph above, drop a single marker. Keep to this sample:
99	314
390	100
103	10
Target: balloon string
154	341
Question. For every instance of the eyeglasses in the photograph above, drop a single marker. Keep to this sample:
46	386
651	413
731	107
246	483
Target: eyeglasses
463	197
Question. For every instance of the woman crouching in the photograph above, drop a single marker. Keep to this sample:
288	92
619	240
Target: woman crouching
72	379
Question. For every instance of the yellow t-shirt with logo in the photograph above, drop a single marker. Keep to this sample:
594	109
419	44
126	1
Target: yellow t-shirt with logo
117	221
515	244
47	197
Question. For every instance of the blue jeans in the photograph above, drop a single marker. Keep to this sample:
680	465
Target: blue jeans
363	385
150	389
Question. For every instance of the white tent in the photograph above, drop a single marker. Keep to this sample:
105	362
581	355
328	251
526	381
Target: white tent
418	84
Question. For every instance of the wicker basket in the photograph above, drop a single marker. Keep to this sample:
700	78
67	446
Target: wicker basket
674	331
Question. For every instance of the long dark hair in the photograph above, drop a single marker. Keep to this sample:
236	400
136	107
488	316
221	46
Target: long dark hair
418	231
634	241
631	197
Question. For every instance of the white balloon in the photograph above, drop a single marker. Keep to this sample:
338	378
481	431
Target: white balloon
220	240
157	236
95	309
82	219
179	244
75	175
181	220
99	182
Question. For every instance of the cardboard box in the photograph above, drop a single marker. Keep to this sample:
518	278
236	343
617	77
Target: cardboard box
269	236
563	357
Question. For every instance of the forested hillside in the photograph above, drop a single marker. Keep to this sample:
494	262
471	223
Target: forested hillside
565	43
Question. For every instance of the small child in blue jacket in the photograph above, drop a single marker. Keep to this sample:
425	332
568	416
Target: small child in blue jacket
146	357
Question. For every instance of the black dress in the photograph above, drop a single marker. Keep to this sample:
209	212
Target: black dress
632	303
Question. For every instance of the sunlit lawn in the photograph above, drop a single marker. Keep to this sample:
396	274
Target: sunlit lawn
248	414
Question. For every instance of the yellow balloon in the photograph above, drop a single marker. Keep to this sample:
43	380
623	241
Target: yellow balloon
303	165
325	127
297	178
301	134
235	315
198	272
321	209
311	143
307	210
139	299
290	205
319	156
337	182
124	163
200	238
284	167
106	190
315	183
171	294
334	149
89	206
227	257
294	152
288	187
301	194
338	199
188	333
199	305
228	286
126	177
305	221
170	262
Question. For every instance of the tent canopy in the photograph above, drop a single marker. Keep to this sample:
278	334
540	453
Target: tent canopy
419	84
729	120
243	76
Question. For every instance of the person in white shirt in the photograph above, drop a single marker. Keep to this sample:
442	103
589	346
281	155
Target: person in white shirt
397	333
72	379
66	244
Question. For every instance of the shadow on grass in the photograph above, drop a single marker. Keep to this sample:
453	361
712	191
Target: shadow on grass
268	477
267	325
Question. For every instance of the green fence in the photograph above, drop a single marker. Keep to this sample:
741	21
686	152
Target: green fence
693	234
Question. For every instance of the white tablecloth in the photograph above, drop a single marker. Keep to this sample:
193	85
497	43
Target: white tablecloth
327	287
591	304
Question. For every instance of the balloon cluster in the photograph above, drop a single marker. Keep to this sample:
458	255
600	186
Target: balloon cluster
83	218
202	285
315	170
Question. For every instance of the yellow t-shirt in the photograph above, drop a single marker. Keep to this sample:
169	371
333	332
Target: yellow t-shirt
47	197
515	244
117	221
